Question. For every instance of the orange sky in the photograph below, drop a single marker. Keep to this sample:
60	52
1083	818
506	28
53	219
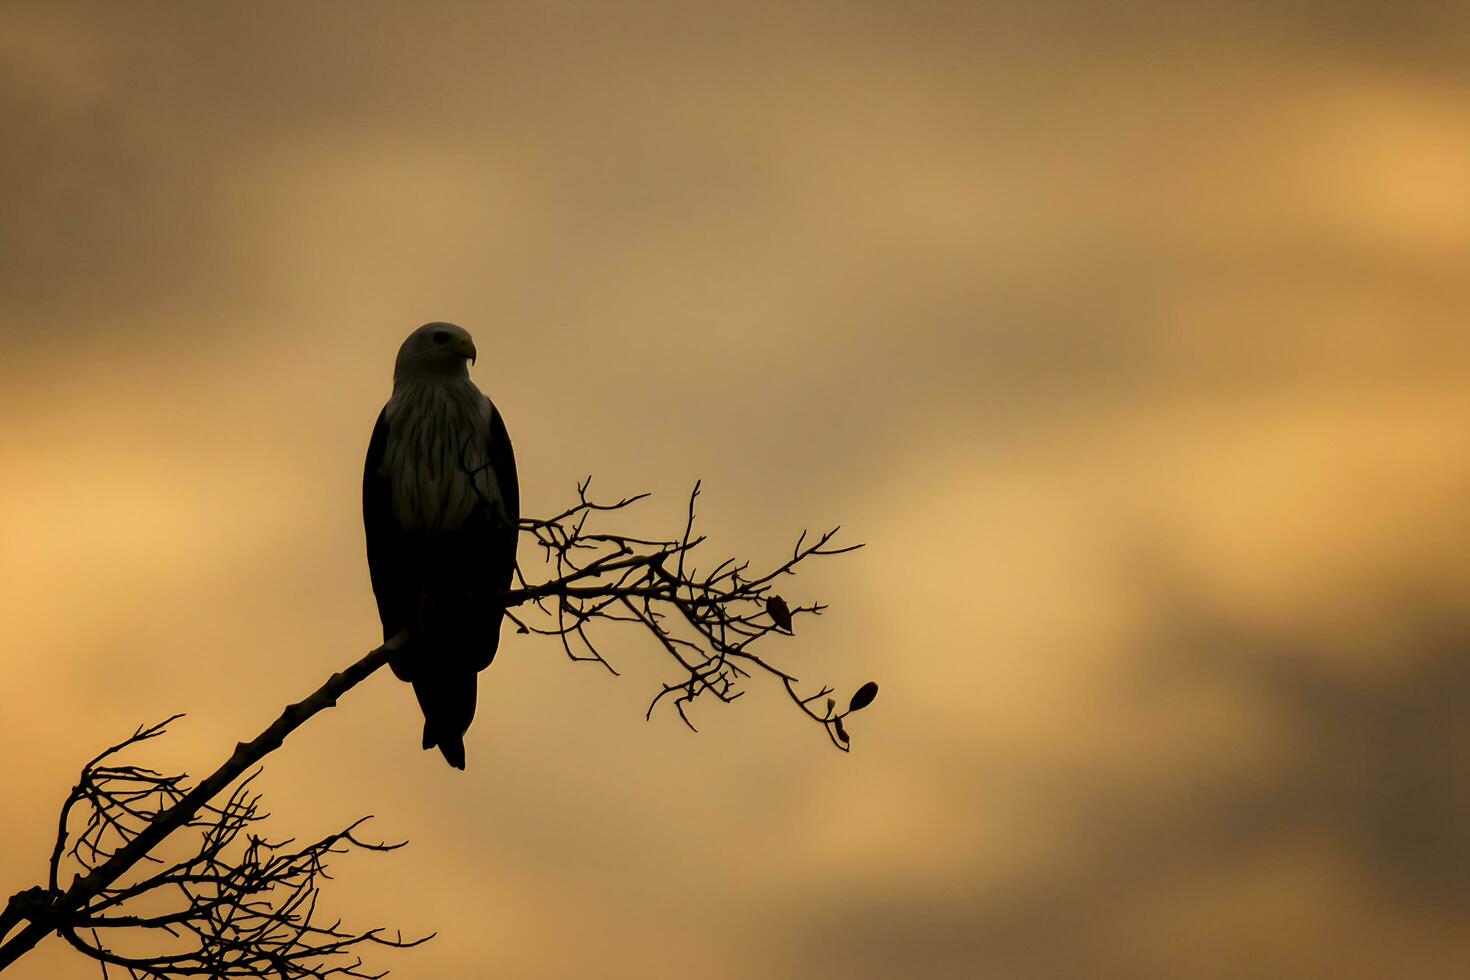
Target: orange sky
1131	339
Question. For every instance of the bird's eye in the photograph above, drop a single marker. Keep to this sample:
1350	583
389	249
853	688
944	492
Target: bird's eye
441	337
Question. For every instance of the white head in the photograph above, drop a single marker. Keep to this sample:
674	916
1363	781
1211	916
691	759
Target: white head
435	351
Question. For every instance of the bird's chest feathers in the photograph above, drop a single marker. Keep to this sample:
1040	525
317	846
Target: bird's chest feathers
436	459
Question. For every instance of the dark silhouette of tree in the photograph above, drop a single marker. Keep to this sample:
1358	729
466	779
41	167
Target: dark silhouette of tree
238	905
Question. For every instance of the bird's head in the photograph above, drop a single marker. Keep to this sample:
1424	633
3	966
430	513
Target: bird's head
435	350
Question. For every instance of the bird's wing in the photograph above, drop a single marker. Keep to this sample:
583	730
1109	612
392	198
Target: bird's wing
501	543
503	462
388	561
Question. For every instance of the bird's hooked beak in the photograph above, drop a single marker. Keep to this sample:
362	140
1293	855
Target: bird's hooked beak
464	346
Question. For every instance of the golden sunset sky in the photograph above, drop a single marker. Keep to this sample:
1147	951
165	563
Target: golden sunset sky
1133	339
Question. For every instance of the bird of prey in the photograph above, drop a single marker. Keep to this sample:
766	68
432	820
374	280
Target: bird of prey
440	506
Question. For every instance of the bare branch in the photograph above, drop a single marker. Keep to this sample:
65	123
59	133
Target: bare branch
117	834
240	905
720	615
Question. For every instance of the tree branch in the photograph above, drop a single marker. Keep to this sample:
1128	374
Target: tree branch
253	913
61	907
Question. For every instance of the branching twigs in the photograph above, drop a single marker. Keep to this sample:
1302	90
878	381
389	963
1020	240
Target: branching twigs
133	810
240	905
707	622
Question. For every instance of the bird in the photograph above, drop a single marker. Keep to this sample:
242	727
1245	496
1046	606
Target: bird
441	511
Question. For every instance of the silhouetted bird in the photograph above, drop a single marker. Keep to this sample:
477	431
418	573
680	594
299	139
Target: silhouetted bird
440	506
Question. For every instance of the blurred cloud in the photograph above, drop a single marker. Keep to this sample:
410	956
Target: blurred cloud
1129	338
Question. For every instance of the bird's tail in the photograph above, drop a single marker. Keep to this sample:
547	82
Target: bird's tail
447	696
456	640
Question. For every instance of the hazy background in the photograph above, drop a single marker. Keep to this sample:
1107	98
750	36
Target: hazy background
1131	337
